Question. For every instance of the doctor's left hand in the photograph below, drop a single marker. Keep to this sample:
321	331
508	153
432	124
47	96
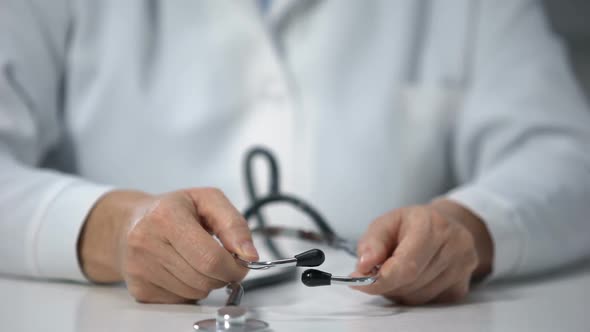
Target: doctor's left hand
427	253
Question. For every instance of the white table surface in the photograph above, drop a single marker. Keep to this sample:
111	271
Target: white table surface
558	302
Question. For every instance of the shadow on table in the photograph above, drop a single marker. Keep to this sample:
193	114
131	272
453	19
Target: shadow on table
567	271
509	289
101	308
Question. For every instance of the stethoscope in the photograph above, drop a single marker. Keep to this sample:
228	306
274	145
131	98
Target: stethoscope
311	258
232	317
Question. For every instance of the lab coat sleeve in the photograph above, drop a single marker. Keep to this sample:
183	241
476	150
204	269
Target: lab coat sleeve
522	143
41	211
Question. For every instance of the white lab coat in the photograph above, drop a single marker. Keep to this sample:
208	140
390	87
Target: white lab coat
370	105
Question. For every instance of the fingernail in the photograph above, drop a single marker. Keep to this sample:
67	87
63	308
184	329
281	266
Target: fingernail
366	253
365	257
363	260
247	248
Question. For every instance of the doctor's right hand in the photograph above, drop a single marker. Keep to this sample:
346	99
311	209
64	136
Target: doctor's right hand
162	246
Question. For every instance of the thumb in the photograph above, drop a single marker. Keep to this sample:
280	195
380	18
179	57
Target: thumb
225	221
377	243
370	254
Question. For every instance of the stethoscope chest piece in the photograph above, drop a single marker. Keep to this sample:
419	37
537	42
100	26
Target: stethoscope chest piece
231	318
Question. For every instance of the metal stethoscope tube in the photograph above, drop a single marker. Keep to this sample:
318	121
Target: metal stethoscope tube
312	257
311	277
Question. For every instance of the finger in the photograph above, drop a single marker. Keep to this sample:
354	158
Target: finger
437	265
149	266
430	291
225	221
182	270
378	242
147	292
166	280
179	229
204	254
417	245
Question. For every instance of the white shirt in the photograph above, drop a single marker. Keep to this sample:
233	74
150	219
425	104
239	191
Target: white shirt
369	105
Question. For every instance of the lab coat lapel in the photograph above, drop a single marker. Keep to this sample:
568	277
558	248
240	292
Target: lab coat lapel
279	9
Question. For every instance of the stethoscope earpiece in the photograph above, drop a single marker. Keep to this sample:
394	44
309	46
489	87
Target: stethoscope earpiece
310	258
315	278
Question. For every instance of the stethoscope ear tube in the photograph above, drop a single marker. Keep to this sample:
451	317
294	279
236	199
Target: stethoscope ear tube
315	278
309	258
